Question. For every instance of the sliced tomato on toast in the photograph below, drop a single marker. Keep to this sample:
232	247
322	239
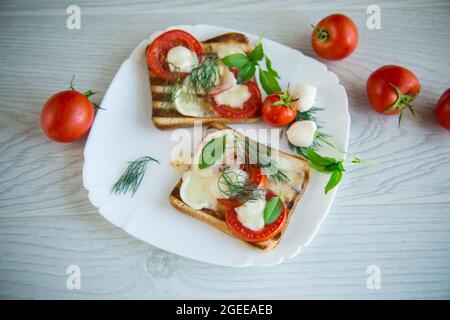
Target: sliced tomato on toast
251	107
249	235
157	51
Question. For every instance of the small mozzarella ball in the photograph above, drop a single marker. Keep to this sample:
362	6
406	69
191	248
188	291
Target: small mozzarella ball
181	59
301	133
306	95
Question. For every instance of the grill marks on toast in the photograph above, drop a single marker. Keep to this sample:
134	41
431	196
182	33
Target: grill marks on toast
229	38
217	219
164	114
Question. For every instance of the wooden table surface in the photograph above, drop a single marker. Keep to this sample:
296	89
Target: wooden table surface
395	215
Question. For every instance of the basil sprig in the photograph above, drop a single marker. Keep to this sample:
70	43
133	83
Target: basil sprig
329	165
247	64
272	210
212	151
326	165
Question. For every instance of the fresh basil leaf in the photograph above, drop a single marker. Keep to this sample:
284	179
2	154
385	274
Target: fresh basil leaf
318	168
334	180
268	82
236	60
246	72
272	210
270	69
319	160
257	53
211	152
332	167
338	166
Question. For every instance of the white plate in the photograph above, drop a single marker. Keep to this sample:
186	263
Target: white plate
123	132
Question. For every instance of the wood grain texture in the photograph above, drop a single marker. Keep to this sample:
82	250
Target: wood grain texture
395	215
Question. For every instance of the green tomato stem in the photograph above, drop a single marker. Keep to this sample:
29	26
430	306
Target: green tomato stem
321	34
403	101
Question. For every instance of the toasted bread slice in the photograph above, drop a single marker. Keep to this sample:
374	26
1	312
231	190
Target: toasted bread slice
296	168
164	114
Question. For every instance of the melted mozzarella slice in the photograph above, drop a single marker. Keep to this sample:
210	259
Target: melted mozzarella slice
295	174
306	95
181	59
189	105
197	192
301	133
224	81
200	192
234	97
251	214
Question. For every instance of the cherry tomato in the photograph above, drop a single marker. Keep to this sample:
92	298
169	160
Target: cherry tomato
257	178
391	89
443	110
158	49
335	37
67	116
251	107
266	233
278	110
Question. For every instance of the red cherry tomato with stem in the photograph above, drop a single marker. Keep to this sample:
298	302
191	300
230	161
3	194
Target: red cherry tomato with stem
279	109
67	116
391	89
335	37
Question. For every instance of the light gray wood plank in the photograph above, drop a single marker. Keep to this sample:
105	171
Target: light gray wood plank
394	215
410	247
57	7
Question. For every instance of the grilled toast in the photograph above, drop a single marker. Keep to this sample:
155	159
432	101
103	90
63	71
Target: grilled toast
298	171
164	114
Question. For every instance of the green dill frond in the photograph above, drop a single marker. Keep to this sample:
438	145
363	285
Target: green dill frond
203	77
172	87
199	81
319	139
236	186
311	114
317	143
280	177
132	177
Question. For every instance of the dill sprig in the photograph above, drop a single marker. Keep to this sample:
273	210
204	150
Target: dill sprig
319	137
237	186
203	77
311	114
254	155
199	82
172	85
132	177
280	177
318	141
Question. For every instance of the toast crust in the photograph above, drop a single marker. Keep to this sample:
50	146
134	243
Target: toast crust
166	120
215	219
